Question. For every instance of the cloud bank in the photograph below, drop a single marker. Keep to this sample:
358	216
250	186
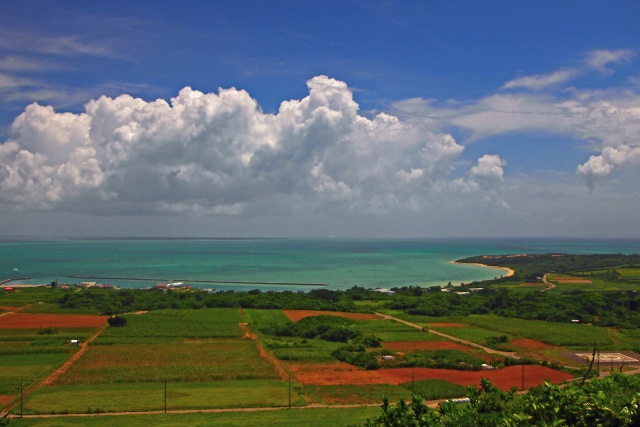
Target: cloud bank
220	154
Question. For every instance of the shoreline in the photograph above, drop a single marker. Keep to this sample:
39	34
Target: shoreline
509	272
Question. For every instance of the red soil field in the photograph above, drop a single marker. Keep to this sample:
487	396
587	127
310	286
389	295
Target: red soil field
502	378
447	325
37	321
527	344
5	398
424	345
335	374
340	373
296	315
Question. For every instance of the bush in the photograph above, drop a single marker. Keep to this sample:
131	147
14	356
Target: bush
356	355
117	321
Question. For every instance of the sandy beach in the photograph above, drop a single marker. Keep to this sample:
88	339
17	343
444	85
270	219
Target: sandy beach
509	272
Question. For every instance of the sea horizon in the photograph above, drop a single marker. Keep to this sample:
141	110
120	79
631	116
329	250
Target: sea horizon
338	263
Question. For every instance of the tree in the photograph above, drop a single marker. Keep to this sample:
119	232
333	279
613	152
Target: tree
117	321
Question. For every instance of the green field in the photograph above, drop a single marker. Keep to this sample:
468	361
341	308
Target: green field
301	350
560	334
150	397
371	394
471	333
409	335
316	417
27	357
51	308
27	369
25	296
163	326
206	360
261	317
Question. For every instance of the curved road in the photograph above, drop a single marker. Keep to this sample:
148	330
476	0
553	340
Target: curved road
549	284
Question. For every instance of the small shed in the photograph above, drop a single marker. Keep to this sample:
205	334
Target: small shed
74	342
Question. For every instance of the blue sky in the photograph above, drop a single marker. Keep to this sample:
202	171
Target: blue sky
346	118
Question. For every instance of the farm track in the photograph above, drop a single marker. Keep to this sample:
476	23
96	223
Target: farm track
264	353
549	284
452	338
15	310
52	377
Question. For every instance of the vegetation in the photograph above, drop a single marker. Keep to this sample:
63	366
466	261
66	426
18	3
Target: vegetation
150	396
566	303
319	417
117	321
443	359
533	267
612	401
193	340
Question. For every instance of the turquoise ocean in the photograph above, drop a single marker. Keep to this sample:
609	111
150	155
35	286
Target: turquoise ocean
339	263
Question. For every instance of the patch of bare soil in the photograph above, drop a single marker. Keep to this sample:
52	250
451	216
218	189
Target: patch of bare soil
36	321
296	315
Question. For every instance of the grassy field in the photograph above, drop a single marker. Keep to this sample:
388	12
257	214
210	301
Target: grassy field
207	363
560	334
409	335
207	360
629	280
421	320
260	317
163	326
27	369
390	330
27	357
25	296
150	397
371	394
471	333
176	345
301	350
50	308
317	417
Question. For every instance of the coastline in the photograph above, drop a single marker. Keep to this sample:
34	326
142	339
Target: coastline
509	271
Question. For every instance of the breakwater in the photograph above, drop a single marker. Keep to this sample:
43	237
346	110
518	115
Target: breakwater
225	282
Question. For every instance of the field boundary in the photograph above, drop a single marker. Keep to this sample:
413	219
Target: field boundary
452	338
48	380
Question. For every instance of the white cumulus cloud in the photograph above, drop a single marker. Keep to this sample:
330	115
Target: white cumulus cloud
220	154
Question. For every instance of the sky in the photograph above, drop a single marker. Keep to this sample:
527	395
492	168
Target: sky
320	119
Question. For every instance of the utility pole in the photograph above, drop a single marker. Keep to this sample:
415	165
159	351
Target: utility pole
165	395
289	390
413	383
21	395
522	375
